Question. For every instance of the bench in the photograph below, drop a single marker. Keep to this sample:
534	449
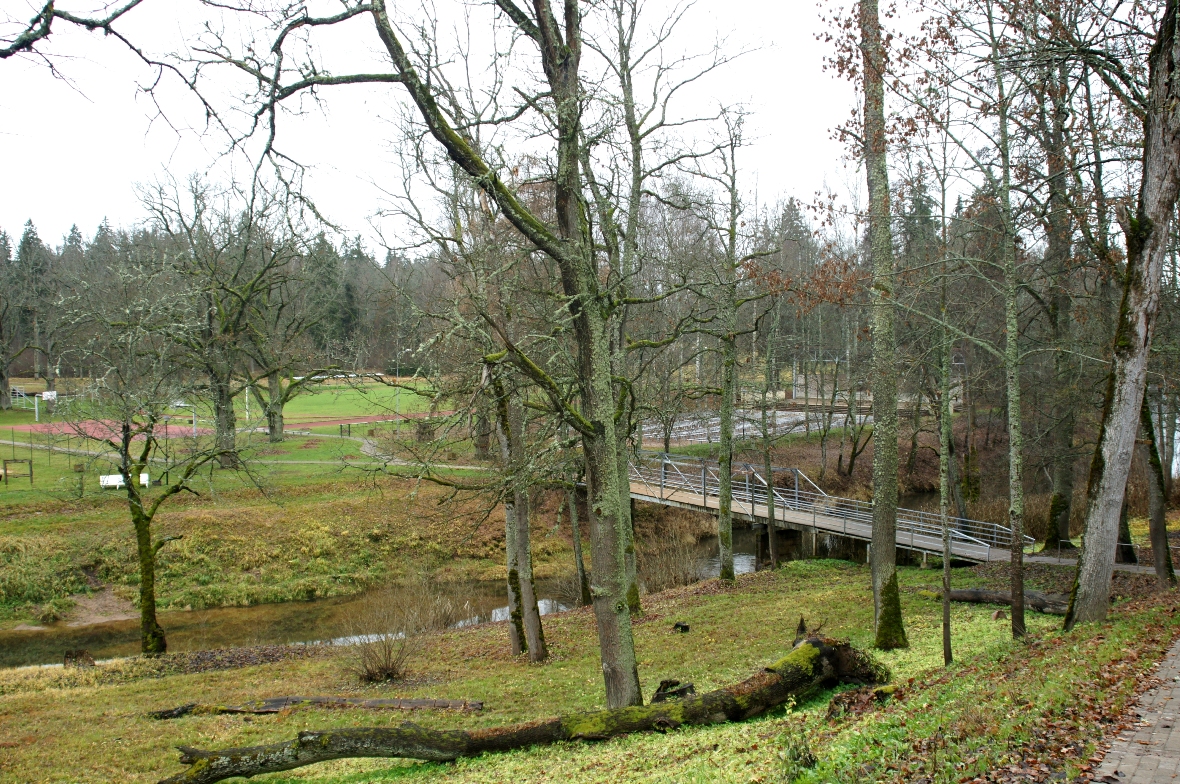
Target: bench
115	481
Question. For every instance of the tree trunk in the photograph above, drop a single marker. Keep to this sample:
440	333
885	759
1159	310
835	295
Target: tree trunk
627	509
767	439
1058	260
579	564
534	632
512	551
37	355
50	372
890	630
5	387
1157	504
1168	426
945	460
1125	550
516	637
274	408
152	641
225	422
811	664
1012	356
725	446
1147	243
956	481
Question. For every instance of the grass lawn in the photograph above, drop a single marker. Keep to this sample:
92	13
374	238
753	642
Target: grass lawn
340	401
1001	701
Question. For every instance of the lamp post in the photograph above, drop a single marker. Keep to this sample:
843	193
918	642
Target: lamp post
397	394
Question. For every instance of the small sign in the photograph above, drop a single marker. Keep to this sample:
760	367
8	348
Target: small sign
49	396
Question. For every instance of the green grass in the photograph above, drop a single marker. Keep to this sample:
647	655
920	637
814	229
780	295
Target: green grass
15	416
996	697
340	401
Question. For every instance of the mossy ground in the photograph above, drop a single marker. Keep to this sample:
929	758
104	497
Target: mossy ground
68	725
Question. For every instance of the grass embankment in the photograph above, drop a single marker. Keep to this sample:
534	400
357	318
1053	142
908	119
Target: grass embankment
995	705
317	531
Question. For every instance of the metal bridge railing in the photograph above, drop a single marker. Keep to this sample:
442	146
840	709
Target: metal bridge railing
667	474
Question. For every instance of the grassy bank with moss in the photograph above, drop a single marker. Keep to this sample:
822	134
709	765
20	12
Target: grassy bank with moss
1001	702
313	530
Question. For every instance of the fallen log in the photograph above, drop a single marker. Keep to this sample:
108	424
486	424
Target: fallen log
812	663
276	704
1048	603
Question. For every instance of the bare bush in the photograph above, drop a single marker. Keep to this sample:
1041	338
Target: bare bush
385	632
676	564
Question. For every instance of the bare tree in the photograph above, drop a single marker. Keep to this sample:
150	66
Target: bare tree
890	629
133	315
1146	231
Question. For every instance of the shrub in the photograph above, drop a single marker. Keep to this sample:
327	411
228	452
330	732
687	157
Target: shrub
384	633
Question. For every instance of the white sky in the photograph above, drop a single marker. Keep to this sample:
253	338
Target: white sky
73	152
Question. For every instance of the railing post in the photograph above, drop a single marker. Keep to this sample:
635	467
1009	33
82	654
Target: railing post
749	496
704	485
796	488
663	472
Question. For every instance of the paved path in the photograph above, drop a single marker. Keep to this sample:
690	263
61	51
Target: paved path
1149	752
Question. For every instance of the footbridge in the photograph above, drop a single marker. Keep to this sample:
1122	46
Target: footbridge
676	480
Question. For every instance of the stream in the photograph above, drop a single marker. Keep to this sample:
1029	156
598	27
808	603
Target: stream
321	620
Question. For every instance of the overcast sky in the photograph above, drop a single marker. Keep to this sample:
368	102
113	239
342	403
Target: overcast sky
74	149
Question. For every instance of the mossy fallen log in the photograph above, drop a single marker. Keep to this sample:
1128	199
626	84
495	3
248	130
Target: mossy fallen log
276	704
1048	603
810	664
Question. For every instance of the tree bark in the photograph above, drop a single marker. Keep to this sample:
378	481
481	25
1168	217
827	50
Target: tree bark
945	459
534	632
225	422
579	563
274	408
890	630
151	635
767	437
1157	504
1146	235
5	387
524	628
810	664
1125	550
725	455
152	640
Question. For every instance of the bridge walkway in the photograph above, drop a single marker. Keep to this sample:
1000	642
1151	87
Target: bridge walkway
675	480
